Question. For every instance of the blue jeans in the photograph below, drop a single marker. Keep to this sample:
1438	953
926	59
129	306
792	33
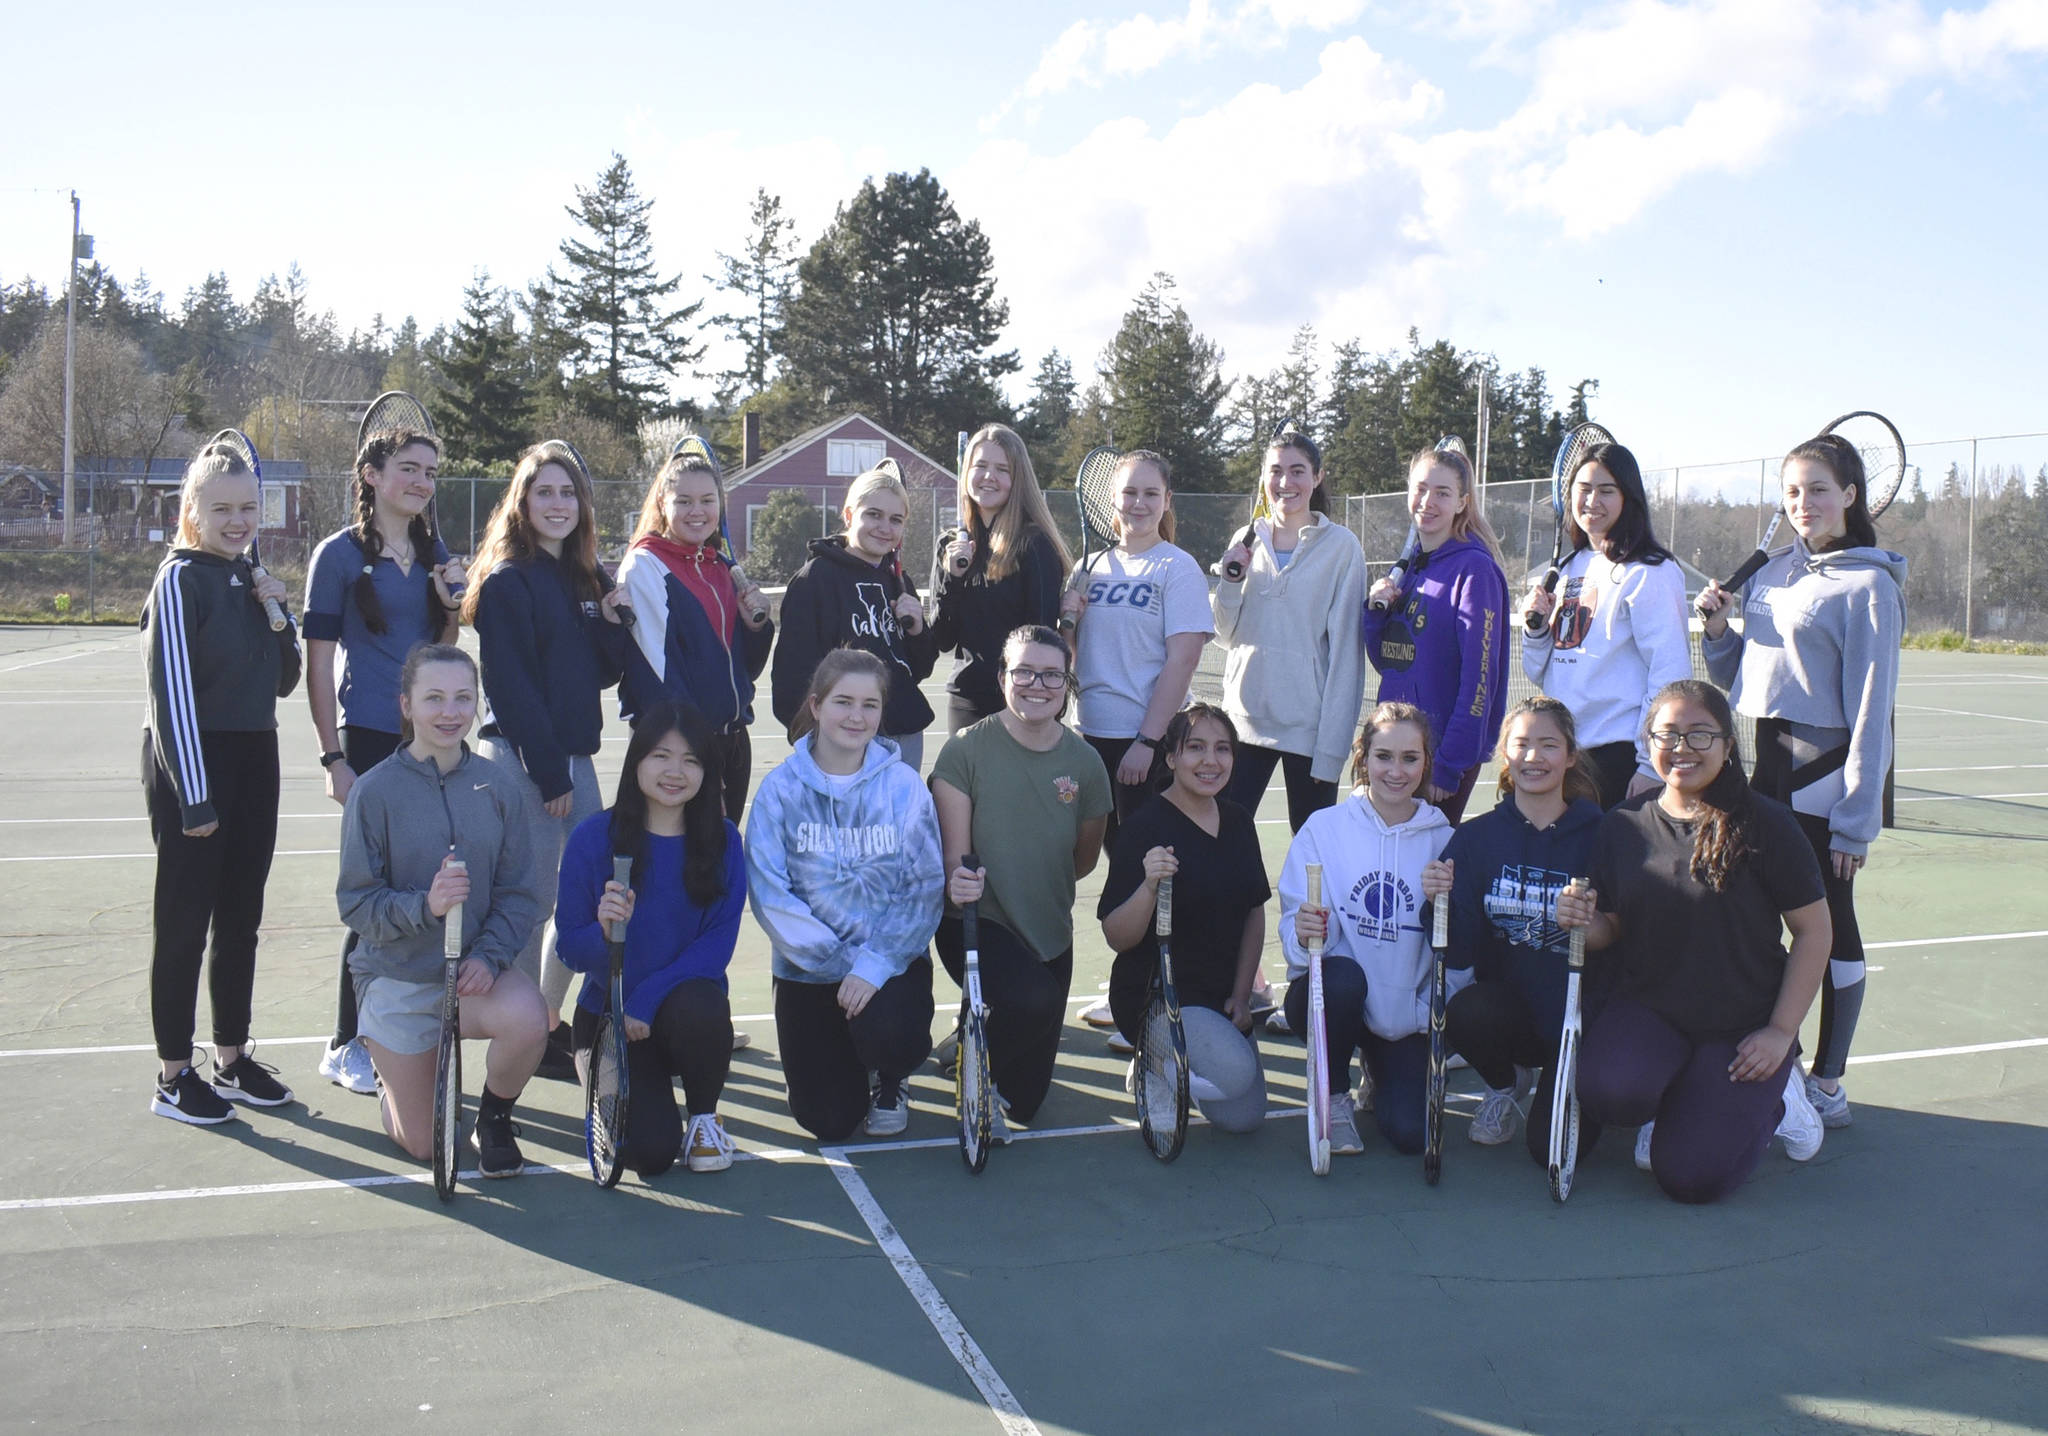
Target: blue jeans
1399	1065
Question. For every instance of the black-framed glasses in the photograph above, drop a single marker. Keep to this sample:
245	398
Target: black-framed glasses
1697	739
1050	679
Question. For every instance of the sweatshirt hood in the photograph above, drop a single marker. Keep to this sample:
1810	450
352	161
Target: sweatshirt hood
837	551
881	752
1841	560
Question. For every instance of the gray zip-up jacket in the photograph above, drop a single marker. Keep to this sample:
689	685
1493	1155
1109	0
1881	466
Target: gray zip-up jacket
402	817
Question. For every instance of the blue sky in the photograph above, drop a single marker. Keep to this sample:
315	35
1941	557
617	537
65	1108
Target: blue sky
1742	217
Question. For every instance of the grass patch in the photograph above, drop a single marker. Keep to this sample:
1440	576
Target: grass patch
64	586
1948	640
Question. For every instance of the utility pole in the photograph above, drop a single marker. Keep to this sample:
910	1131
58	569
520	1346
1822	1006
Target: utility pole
70	360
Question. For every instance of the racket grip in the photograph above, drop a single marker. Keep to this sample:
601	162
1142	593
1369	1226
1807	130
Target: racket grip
741	587
451	934
1162	912
1577	959
1533	621
1440	922
275	614
622	874
1742	575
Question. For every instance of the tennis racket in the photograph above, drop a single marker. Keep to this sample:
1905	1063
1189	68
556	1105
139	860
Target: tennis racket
1261	507
237	443
1161	1074
1570	455
1095	497
392	410
694	445
607	1091
1398	574
974	1093
1564	1082
1318	1043
448	1058
1439	1059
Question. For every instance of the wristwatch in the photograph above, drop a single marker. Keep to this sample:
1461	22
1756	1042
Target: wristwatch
1152	743
328	760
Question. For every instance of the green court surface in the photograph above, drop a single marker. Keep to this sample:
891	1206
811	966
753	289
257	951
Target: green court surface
292	1270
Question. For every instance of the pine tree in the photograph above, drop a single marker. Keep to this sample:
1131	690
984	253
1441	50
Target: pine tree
1049	412
627	347
1163	385
486	408
760	279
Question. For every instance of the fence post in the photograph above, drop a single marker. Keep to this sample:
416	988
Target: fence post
1671	538
90	577
1970	554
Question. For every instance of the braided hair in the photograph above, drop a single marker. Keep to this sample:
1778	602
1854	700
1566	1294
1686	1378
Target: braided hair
377	451
1725	837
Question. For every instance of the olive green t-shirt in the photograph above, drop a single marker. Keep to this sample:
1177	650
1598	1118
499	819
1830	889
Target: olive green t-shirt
1028	812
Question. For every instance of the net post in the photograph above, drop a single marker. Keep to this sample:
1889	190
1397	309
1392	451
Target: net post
1970	554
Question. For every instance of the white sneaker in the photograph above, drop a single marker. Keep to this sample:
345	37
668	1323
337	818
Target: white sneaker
888	1107
1525	1084
1276	1022
1099	1014
1832	1106
1362	1099
1344	1140
741	1041
1201	1089
998	1129
1121	1044
706	1147
1643	1146
349	1066
1494	1123
1800	1127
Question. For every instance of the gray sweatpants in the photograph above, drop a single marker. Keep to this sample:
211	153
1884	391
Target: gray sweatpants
537	960
1222	1061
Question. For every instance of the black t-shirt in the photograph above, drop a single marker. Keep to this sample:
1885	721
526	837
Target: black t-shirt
1708	963
1220	881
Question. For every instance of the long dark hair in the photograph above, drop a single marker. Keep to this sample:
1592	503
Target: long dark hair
1289	437
1177	729
509	536
1579	781
704	834
1632	539
1845	466
1726	835
378	450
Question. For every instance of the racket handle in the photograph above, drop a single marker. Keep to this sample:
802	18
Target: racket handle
271	608
622	874
1577	887
1741	575
1162	911
451	936
626	615
1440	922
1536	622
741	587
1234	572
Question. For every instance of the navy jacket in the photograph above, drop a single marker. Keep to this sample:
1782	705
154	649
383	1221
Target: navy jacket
840	600
680	652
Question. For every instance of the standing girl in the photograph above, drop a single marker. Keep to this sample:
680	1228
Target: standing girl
374	590
548	631
702	640
1209	846
682	914
214	672
433	826
1002	569
1146	607
1698	1041
1029	797
853	593
1503	871
1292	677
846	880
1816	663
1376	959
1615	631
1442	644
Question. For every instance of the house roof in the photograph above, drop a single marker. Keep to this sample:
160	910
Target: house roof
808	437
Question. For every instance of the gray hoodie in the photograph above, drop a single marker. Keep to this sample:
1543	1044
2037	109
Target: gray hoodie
400	820
1819	648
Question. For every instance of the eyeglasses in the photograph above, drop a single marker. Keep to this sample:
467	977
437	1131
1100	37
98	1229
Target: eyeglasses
1699	739
1051	679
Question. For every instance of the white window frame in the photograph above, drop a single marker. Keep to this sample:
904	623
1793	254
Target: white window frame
847	458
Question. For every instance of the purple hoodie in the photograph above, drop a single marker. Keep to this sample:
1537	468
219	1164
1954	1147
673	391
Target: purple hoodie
1445	649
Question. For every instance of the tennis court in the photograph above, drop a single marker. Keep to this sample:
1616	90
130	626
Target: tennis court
291	1269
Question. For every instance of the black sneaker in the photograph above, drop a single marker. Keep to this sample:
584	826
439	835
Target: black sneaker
247	1080
558	1061
497	1154
187	1098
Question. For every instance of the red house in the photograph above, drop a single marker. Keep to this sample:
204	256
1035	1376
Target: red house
821	462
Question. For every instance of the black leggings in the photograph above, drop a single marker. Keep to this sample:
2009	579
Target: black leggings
826	1055
1614	768
1027	1006
690	1038
212	881
1492	1026
1253	770
364	748
736	774
1128	797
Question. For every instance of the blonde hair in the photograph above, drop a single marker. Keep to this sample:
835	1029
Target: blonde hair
208	464
884	477
1010	535
509	535
1468	522
1158	461
654	508
832	670
1385	716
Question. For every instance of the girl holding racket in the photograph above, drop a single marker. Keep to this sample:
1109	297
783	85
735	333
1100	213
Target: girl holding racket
433	826
1816	663
682	914
1030	798
548	631
1141	616
1191	832
846	880
1442	643
1292	675
1377	965
853	593
214	672
702	640
1003	567
1615	631
374	590
1698	1041
1503	871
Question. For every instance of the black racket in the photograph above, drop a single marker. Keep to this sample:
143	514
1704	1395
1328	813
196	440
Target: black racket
1439	1058
1570	454
973	1091
1095	497
390	411
607	1091
448	1057
1261	507
1160	1076
237	443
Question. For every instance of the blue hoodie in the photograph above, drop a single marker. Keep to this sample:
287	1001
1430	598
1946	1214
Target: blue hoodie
1444	648
844	879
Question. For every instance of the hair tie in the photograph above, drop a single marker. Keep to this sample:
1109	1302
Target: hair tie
369	568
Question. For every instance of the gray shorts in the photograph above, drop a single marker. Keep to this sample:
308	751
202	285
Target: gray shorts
399	1016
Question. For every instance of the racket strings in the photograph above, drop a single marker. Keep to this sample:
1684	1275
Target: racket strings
607	1120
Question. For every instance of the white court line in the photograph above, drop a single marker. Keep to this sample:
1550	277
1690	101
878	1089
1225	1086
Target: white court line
111	857
1983	768
1967	797
1952	1051
60	658
1950	941
1966	713
144	817
966	1351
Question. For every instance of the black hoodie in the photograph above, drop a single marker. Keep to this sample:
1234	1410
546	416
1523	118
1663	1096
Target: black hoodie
840	600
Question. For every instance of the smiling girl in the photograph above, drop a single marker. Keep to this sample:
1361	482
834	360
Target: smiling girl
845	878
1376	962
682	914
1442	643
214	672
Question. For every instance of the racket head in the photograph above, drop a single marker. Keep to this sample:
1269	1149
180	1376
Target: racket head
1570	454
1161	1080
974	1097
392	410
1095	488
604	1103
1318	1071
1564	1101
1877	439
696	446
447	1106
1433	1107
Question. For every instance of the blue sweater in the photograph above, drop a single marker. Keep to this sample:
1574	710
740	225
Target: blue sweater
670	939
